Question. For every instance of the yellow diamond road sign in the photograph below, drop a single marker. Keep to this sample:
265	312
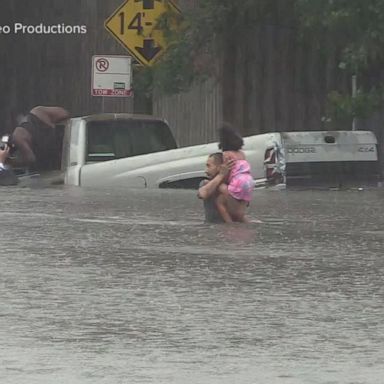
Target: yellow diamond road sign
135	25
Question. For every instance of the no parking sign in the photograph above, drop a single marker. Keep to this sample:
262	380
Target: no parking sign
111	76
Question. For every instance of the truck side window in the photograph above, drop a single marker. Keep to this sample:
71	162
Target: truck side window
116	139
191	183
99	142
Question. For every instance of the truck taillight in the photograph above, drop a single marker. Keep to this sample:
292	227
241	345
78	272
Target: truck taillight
270	156
270	164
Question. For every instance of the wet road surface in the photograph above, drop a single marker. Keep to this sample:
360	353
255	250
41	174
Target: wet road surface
132	287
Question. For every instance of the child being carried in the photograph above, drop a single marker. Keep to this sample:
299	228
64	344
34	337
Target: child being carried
234	195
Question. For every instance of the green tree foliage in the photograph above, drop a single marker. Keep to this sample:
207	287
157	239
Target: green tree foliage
355	28
203	31
355	25
343	108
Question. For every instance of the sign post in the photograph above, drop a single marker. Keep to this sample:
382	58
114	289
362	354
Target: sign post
111	76
135	25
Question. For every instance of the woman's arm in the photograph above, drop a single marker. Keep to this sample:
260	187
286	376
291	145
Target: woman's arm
208	189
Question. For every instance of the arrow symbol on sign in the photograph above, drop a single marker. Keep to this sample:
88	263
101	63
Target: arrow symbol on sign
148	4
148	51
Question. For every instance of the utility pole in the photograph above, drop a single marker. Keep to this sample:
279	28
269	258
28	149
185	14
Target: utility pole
354	91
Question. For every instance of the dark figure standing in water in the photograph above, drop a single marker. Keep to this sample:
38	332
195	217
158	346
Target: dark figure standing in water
35	138
216	171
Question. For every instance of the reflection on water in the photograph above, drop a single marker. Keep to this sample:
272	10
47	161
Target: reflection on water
132	287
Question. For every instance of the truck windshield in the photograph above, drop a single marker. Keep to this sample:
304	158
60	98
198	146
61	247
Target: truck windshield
116	139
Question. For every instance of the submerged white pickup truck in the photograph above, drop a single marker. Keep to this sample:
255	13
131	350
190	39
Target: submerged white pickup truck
140	151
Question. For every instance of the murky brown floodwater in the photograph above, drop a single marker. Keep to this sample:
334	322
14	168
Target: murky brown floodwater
131	287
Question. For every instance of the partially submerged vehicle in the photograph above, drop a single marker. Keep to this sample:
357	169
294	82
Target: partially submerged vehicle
332	158
140	151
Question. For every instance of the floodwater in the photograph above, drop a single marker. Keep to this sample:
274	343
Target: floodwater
122	286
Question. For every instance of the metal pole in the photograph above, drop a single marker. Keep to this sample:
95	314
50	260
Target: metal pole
354	91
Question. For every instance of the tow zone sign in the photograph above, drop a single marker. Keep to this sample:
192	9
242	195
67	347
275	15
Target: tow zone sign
111	76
